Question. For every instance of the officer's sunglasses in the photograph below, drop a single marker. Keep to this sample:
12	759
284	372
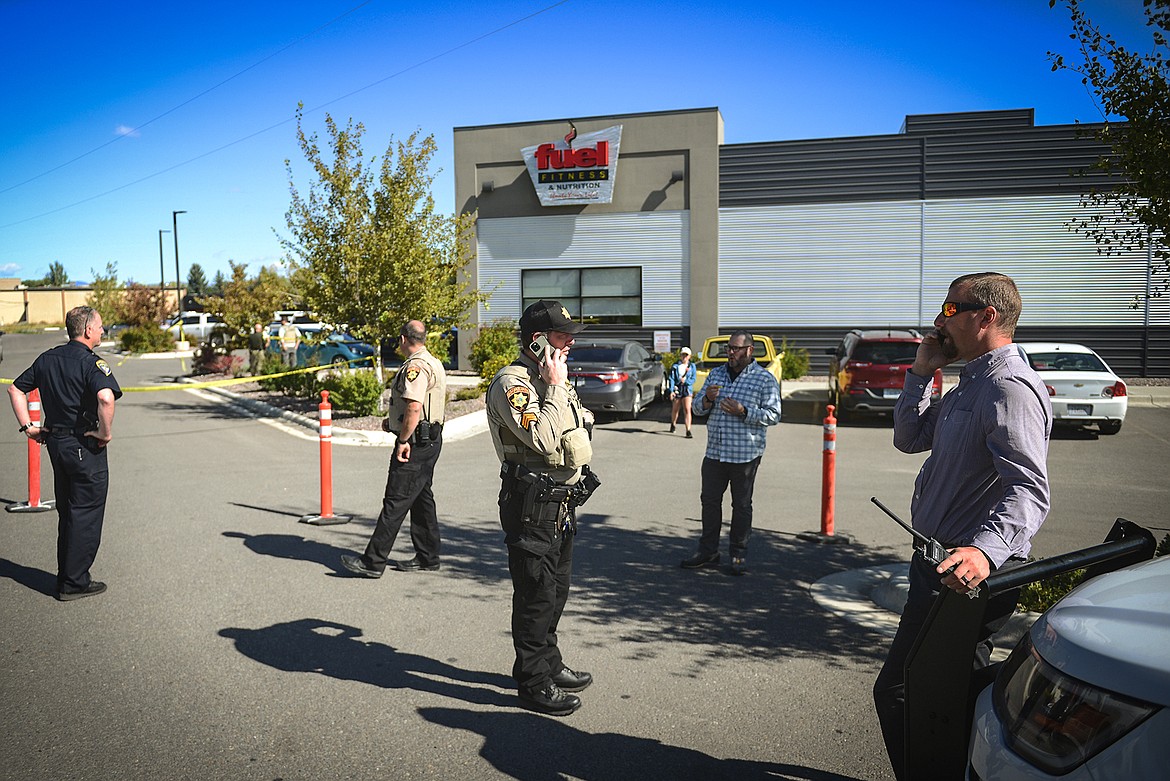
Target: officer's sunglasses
952	308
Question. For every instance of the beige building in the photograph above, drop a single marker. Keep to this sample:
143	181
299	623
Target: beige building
45	305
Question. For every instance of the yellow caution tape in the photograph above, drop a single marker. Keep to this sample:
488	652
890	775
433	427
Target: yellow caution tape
214	383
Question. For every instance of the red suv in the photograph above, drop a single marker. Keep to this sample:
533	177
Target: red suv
868	369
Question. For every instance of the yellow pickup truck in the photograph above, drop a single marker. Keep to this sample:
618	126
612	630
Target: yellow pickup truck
715	354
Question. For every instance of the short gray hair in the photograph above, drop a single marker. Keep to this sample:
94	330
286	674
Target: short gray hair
77	320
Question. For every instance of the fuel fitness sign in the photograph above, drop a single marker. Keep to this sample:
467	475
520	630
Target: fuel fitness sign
580	169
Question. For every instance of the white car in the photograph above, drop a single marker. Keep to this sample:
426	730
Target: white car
1085	696
1082	387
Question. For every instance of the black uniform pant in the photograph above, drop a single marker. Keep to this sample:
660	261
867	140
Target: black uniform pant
81	480
717	475
540	561
889	690
408	490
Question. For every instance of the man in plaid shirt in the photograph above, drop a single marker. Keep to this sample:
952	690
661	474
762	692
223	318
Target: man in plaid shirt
743	399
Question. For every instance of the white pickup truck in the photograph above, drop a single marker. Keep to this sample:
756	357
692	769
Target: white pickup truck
199	327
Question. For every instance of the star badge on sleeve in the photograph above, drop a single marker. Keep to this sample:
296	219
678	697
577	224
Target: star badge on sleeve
412	374
518	398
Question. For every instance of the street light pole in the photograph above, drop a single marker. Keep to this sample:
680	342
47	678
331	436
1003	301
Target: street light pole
178	279
162	275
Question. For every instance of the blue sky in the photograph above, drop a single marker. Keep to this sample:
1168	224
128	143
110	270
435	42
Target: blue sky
117	114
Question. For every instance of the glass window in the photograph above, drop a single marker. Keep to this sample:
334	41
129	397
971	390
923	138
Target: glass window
594	295
595	355
555	284
1066	362
611	282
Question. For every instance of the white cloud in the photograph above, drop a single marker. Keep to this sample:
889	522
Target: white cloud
125	130
9	268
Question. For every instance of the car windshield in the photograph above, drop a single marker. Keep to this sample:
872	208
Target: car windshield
595	354
1066	362
718	350
885	352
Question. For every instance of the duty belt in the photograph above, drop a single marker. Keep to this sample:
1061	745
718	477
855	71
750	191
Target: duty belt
544	498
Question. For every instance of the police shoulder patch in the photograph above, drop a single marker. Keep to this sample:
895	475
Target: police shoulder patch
518	397
103	367
412	374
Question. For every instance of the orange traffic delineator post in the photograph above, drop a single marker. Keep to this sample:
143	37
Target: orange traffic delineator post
34	503
828	534
326	518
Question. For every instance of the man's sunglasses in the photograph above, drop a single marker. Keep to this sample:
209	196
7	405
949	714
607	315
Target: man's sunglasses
952	308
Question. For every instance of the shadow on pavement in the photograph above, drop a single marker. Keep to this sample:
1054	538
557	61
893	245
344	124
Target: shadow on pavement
33	579
336	650
293	546
536	748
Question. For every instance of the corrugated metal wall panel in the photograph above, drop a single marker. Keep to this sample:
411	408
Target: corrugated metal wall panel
981	155
858	265
819	264
658	242
1062	279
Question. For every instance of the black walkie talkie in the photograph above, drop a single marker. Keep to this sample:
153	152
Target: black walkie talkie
930	548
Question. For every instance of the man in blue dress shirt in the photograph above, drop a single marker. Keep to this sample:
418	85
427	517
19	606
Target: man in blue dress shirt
983	492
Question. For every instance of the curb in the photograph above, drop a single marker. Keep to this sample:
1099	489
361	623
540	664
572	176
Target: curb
874	597
462	427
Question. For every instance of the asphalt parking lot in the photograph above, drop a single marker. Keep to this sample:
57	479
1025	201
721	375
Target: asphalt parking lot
232	645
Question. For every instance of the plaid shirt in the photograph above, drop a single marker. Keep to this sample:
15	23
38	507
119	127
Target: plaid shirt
732	439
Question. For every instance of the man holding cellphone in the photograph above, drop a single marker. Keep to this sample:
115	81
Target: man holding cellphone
983	492
541	435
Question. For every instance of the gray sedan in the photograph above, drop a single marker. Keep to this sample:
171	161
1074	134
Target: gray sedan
615	375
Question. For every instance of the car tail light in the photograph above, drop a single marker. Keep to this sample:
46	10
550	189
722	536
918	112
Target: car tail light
1114	390
1051	390
609	378
1055	722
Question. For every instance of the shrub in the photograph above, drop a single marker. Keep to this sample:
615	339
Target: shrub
270	363
496	346
357	391
491	366
302	384
466	394
1041	595
794	364
216	360
146	339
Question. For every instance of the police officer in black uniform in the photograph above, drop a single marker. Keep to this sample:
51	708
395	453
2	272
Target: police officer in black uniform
78	392
541	435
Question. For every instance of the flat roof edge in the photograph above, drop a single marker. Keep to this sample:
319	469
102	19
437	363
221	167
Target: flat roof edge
589	119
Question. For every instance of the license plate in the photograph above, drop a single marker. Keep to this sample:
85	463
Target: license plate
891	393
1080	409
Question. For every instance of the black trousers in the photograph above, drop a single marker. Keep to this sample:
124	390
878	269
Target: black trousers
889	690
717	475
81	480
540	561
408	489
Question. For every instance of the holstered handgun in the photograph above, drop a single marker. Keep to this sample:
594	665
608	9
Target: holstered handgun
580	492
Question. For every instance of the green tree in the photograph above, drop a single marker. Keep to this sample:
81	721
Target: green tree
141	306
1135	213
107	293
367	248
57	276
197	281
218	284
249	300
